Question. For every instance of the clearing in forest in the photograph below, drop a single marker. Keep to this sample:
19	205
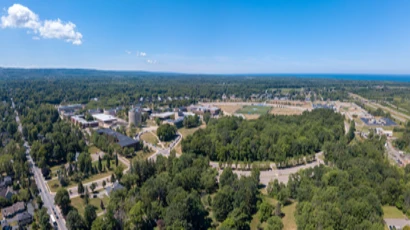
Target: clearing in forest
254	110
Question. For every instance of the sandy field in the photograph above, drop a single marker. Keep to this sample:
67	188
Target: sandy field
285	111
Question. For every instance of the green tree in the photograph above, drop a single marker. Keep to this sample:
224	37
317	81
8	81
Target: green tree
80	188
350	133
108	163
137	217
62	199
222	203
207	117
227	177
274	223
166	132
265	211
74	221
99	164
89	215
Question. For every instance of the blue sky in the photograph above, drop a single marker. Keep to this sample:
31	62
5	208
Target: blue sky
284	36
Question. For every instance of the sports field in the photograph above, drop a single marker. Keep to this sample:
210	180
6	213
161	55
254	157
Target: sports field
254	109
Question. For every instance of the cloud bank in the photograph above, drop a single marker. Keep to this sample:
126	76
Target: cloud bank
19	16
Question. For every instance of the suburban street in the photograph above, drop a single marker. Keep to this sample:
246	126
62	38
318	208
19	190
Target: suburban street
48	199
394	154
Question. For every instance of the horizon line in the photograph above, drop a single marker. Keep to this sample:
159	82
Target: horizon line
195	73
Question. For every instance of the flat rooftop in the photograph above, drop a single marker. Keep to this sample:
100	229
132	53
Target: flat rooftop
104	117
163	115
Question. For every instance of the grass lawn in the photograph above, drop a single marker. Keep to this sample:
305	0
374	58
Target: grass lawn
289	221
186	132
253	109
54	184
93	150
78	203
398	134
150	138
140	155
54	170
392	212
230	108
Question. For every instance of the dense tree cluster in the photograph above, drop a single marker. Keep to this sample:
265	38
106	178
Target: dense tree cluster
162	193
403	142
58	145
235	202
166	132
350	193
275	138
191	121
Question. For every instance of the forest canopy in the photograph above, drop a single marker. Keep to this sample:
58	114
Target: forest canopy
270	137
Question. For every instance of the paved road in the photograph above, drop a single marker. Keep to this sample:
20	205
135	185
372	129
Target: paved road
393	154
158	150
395	114
255	103
397	223
74	192
281	174
48	199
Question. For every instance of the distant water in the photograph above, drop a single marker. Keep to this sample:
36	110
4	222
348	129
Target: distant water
363	77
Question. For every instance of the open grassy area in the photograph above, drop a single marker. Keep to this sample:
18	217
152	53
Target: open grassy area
289	221
140	155
93	150
78	203
186	132
230	108
150	138
54	185
54	170
254	109
392	212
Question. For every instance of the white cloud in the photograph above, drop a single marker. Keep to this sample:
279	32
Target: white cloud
36	38
60	30
149	61
128	52
141	54
19	16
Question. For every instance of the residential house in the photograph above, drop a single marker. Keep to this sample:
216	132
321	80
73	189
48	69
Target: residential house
24	218
7	192
11	211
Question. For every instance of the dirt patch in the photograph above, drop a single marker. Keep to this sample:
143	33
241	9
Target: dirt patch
251	116
285	111
230	109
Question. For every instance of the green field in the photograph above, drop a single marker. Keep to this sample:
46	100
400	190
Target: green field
93	150
78	203
150	138
54	185
392	212
254	109
288	220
